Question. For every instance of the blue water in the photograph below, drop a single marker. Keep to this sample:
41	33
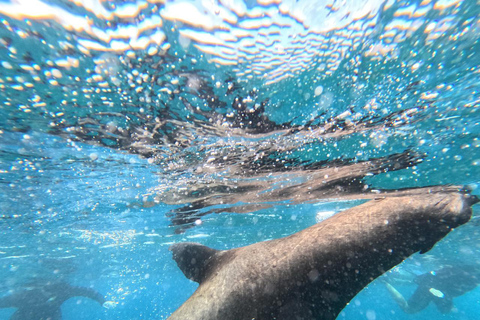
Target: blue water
121	133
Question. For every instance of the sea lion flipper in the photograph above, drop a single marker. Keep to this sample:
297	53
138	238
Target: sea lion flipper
193	259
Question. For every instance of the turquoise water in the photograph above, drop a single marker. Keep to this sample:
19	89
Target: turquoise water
126	127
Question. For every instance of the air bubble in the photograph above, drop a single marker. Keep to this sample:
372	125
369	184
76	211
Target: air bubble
371	315
6	65
318	90
152	51
326	100
56	73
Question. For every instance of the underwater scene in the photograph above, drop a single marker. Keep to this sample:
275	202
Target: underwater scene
239	159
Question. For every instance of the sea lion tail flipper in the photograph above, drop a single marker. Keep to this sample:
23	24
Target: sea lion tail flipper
193	259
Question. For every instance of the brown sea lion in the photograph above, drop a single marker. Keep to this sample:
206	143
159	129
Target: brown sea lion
314	273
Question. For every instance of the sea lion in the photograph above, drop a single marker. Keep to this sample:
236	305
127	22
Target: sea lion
42	301
314	273
440	287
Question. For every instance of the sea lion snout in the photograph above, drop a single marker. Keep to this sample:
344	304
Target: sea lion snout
462	211
471	199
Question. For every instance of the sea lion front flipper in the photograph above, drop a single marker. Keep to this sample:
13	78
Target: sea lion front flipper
193	259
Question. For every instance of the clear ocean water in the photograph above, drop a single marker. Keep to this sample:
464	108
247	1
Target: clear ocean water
127	126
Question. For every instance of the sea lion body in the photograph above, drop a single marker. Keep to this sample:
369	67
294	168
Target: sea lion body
314	273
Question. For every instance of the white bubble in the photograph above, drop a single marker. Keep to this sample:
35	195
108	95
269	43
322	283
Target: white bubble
56	73
6	65
93	156
184	41
111	126
109	304
326	100
198	222
107	64
313	275
371	315
318	90
152	51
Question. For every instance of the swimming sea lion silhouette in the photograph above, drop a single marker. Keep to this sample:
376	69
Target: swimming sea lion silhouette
440	287
314	273
43	301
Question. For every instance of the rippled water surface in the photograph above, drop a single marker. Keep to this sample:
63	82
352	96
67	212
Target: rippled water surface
127	126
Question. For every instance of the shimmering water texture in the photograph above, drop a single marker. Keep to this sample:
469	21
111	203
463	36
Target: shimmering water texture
129	126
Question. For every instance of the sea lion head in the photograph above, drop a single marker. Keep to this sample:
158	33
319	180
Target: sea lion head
445	212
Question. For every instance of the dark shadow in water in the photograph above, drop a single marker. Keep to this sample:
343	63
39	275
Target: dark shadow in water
242	173
334	180
43	300
194	113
